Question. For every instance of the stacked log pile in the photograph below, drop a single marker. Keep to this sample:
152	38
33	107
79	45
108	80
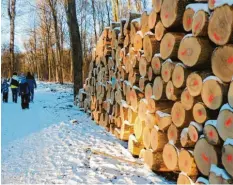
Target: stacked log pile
162	80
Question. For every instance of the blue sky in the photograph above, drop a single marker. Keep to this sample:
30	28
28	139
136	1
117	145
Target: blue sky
24	19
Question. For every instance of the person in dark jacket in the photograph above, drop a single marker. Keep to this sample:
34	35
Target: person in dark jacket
5	90
14	85
32	84
24	92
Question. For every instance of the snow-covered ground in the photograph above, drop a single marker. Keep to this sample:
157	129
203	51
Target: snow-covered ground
42	145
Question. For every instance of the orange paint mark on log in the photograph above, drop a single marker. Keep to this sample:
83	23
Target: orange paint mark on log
170	156
187	96
186	163
189	21
213	1
204	157
172	133
177	114
229	158
184	52
197	26
157	66
199	113
169	44
228	122
211	134
216	36
195	83
178	78
166	15
166	73
211	98
194	137
230	60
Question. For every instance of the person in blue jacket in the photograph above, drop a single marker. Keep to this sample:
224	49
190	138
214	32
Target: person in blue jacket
24	92
32	84
5	90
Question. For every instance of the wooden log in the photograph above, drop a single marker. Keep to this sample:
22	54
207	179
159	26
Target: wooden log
167	69
143	66
158	139
156	4
180	117
134	146
131	16
155	161
172	12
200	23
150	46
170	157
205	155
132	115
183	178
179	75
221	62
188	18
201	113
146	137
195	51
214	92
160	31
151	105
225	122
150	120
123	112
138	41
138	128
142	83
187	100
150	74
173	134
134	28
185	141
186	163
219	176
170	44
172	93
164	119
220	29
210	132
144	22
194	82
156	64
135	96
230	94
148	91
126	130
141	109
153	19
194	131
159	89
227	156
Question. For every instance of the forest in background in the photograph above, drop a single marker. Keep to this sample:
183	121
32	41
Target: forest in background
47	50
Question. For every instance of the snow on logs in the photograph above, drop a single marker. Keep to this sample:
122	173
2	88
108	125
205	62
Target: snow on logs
152	84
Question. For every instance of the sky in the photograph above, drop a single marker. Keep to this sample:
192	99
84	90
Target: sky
24	19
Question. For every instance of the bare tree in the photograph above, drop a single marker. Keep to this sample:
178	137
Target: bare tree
94	18
76	45
12	14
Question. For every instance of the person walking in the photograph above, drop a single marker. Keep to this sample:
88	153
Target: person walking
14	85
24	92
32	84
5	90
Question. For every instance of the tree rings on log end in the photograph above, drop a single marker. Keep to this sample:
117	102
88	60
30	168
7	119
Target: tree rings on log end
200	23
156	64
205	155
188	19
221	25
167	69
211	135
173	134
158	140
152	20
225	124
170	156
158	88
187	100
160	30
222	62
199	113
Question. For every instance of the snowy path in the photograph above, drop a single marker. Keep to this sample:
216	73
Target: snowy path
41	145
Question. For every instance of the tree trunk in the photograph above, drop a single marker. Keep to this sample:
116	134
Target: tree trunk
76	46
